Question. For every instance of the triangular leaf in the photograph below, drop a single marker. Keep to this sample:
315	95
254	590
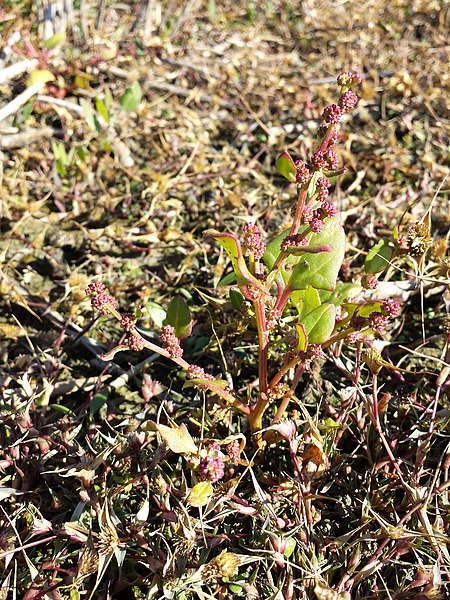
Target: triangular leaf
232	247
319	323
178	439
305	300
131	98
179	316
378	257
200	493
285	166
321	270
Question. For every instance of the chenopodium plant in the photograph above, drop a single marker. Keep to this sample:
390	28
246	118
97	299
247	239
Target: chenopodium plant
292	280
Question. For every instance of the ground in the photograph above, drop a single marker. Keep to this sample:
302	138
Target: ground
145	133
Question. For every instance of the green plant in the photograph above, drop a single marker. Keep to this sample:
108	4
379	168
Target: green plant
288	287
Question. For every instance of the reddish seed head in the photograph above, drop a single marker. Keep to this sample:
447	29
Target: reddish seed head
233	451
370	282
302	174
323	183
170	341
378	322
328	208
196	372
212	468
332	159
135	343
94	288
392	308
318	160
348	78
102	302
253	244
127	321
348	101
317	225
332	114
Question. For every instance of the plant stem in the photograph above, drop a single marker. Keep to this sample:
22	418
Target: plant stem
257	412
303	194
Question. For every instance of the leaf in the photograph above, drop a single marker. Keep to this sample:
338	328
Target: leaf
319	323
98	401
285	166
89	115
178	439
55	40
343	291
39	76
378	257
236	299
131	98
362	309
290	547
321	270
156	313
232	247
305	300
323	592
101	108
302	338
227	279
179	316
318	270
200	493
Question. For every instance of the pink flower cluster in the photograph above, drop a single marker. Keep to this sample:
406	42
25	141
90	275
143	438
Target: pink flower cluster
100	300
127	321
293	241
196	372
212	468
135	342
302	172
170	341
347	79
253	244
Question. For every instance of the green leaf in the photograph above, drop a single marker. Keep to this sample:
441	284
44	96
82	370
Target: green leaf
98	401
290	547
343	291
305	300
232	247
55	40
302	337
131	98
235	588
236	298
178	439
227	279
156	313
285	166
89	115
321	270
101	109
319	323
362	309
200	493
179	316
378	258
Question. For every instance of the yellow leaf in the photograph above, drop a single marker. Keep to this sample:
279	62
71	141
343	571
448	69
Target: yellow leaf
200	493
40	76
178	439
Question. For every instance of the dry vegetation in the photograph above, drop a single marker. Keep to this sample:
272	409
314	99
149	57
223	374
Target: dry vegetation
93	502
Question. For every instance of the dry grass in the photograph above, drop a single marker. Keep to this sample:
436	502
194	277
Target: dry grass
93	503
